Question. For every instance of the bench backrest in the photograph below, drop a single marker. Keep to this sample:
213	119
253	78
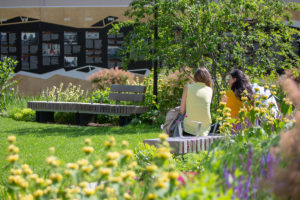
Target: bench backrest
133	93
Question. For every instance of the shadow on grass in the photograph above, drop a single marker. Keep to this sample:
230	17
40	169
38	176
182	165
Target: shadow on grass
42	129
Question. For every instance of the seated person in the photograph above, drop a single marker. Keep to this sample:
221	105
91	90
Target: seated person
238	82
195	103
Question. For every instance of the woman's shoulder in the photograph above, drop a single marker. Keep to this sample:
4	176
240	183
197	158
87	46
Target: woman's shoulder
229	93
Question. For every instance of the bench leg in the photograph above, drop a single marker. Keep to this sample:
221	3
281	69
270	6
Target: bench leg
124	120
43	116
83	119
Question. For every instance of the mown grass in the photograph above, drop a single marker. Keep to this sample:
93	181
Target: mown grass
34	140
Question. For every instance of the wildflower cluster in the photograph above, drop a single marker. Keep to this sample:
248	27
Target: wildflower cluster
257	111
69	93
115	175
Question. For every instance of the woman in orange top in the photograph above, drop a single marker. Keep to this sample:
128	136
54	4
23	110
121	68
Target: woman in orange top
238	82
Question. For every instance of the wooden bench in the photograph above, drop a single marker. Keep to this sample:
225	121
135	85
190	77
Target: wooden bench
85	112
183	145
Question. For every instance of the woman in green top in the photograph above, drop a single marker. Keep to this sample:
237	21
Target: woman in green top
195	103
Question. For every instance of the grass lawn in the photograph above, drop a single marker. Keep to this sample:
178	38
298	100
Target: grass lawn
34	139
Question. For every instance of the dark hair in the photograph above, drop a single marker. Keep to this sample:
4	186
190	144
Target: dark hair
202	75
241	83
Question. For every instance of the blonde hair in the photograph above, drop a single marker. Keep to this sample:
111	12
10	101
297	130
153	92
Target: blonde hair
203	75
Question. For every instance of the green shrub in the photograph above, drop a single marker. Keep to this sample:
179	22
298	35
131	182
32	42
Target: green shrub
7	66
25	114
64	118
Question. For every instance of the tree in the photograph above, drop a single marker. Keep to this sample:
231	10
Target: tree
253	35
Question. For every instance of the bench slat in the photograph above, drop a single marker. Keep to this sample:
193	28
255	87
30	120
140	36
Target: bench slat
86	108
126	97
127	88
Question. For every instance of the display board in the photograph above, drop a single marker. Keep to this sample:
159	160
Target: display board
114	50
93	45
8	43
29	50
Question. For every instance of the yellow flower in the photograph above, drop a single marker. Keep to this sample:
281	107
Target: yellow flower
222	104
163	136
34	177
110	191
67	172
257	103
88	141
164	153
16	171
26	197
52	160
219	110
256	109
40	181
273	86
245	92
12	158
264	97
127	152
73	166
270	122
132	165
52	150
222	93
160	184
114	179
87	168
243	110
88	150
111	163
98	163
151	168
100	187
256	96
48	181
125	144
256	89
38	193
285	120
11	139
151	196
111	142
273	93
227	114
47	190
227	109
244	98
219	118
82	162
55	177
83	184
266	87
88	191
13	149
173	175
113	155
104	171
127	196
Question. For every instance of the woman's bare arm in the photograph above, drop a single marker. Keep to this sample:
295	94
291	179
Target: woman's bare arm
183	100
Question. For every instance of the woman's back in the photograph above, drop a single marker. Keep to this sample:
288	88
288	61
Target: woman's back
198	108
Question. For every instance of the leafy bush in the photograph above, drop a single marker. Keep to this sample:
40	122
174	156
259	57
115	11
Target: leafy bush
7	66
64	117
25	114
105	78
